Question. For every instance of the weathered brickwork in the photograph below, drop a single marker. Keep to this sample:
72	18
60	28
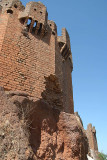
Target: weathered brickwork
91	134
31	50
36	88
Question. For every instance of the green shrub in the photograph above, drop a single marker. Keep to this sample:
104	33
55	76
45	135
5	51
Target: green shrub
102	156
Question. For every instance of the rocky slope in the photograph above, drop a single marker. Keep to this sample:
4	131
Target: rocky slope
32	130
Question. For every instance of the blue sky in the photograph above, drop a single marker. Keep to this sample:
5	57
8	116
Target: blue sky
86	22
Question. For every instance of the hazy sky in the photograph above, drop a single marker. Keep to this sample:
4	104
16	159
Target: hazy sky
86	22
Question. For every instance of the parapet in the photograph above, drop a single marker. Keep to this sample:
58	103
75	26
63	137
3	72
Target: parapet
64	38
89	127
91	134
34	17
53	26
8	4
64	44
36	11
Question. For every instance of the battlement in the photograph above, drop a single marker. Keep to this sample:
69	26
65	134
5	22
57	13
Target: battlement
91	134
36	11
64	44
10	4
35	15
53	27
64	38
34	18
91	128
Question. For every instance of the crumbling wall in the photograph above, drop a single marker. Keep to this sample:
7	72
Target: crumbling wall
24	58
14	143
35	130
30	50
37	124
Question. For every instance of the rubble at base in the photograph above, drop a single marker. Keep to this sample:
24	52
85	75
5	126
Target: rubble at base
34	130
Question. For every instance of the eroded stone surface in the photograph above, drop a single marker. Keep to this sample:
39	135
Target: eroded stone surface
30	129
14	142
37	118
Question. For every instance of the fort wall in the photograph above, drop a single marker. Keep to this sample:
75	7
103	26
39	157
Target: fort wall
91	134
31	50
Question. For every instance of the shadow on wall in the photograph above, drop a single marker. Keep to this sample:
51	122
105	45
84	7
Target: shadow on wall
46	114
40	117
36	30
44	122
38	120
0	8
44	131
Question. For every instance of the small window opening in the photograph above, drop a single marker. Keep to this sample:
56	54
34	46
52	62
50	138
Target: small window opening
53	32
10	11
29	21
40	28
6	4
40	12
15	6
34	26
34	9
50	25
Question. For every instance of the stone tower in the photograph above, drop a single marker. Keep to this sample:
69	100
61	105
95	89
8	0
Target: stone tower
92	140
36	95
91	134
32	53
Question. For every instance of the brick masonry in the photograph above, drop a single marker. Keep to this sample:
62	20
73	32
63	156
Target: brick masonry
91	134
31	50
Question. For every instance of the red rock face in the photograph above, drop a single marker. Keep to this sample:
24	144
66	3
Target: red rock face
14	143
35	130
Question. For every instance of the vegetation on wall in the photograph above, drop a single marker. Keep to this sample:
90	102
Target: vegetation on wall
102	156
